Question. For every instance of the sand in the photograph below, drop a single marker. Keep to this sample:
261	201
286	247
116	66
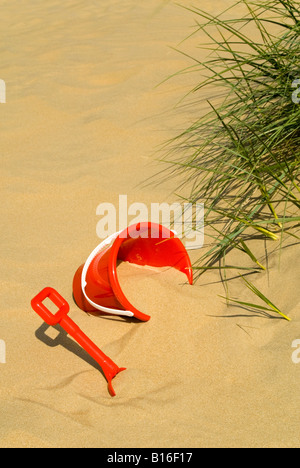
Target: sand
82	118
138	283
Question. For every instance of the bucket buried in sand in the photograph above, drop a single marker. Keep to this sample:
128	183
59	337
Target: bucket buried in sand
96	287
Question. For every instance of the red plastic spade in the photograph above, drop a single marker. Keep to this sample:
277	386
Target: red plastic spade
110	369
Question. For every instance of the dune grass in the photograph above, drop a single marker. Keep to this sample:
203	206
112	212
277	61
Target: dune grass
242	157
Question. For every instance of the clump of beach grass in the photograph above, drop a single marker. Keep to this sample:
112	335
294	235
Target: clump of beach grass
242	157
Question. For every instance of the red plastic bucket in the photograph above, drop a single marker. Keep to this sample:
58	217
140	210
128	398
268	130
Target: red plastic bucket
96	287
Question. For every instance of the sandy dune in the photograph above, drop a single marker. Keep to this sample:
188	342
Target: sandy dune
82	118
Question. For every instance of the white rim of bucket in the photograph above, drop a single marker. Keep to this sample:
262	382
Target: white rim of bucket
95	252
